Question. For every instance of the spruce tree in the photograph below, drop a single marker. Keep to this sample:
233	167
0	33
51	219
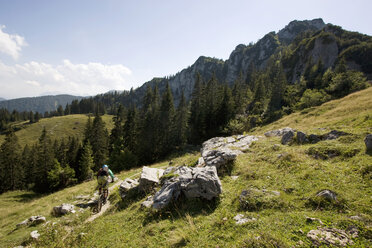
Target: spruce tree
181	124
86	163
197	112
45	162
11	170
99	141
167	129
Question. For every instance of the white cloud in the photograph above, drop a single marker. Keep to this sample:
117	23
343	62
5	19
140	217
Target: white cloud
11	44
35	78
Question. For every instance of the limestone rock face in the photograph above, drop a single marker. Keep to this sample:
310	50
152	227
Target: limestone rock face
329	236
63	209
368	142
149	178
194	182
126	186
289	32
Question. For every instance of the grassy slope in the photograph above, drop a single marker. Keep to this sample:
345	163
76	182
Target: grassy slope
57	127
296	175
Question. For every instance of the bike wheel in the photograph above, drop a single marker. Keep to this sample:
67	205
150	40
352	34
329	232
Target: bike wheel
99	204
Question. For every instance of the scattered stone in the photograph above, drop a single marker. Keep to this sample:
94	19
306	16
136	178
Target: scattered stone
310	220
240	220
287	137
327	194
368	142
63	209
313	138
356	217
279	132
194	182
234	177
148	202
282	155
81	235
301	138
126	186
20	246
276	147
35	235
33	220
149	178
329	236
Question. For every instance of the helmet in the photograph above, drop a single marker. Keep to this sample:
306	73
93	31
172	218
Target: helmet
105	167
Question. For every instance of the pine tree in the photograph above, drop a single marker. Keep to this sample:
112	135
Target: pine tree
86	163
277	92
11	170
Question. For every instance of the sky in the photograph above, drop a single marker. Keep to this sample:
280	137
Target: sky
88	47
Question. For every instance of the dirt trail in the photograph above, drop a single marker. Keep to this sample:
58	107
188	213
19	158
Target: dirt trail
104	207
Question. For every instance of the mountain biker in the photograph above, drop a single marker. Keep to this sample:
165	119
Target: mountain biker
103	180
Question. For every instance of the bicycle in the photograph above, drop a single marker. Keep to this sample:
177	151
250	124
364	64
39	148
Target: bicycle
101	201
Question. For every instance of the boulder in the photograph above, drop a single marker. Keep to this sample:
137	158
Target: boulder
301	138
368	142
334	134
126	186
329	236
35	235
313	138
327	194
149	178
33	220
278	132
63	209
287	137
194	182
219	151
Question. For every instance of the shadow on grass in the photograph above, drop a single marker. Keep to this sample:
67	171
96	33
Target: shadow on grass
183	207
27	196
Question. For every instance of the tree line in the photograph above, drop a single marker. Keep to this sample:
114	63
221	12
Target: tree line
157	127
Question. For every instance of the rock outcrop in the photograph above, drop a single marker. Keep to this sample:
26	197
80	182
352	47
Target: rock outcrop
33	220
287	138
279	132
126	186
192	182
329	236
221	150
327	195
255	199
63	209
149	178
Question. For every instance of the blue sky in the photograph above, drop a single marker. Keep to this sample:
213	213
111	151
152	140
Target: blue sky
88	47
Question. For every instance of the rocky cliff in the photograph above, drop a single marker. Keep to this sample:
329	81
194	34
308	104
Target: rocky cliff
297	44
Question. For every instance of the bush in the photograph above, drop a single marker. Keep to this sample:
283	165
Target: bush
345	83
313	98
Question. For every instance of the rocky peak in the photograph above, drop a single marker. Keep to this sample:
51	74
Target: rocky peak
289	32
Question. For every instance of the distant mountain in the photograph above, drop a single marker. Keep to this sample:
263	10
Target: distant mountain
2	99
297	45
38	104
